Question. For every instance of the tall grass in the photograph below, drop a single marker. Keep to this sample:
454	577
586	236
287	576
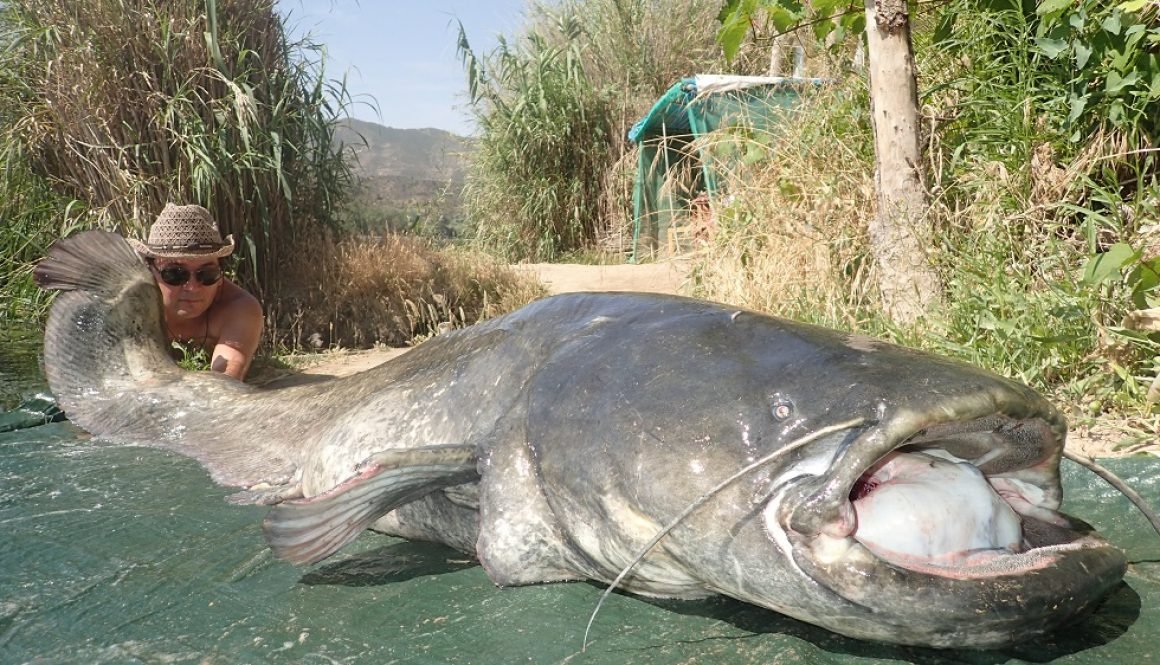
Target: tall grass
123	105
790	235
638	47
545	143
33	217
552	169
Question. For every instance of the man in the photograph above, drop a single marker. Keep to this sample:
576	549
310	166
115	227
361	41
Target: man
203	309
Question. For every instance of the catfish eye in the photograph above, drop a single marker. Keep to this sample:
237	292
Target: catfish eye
782	409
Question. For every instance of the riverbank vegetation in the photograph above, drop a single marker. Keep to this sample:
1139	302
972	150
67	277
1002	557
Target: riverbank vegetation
111	108
1045	200
1038	126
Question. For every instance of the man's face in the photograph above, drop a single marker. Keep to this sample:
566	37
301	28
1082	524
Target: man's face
183	288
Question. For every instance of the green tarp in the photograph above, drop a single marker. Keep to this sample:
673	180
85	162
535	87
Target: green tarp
38	409
674	161
130	555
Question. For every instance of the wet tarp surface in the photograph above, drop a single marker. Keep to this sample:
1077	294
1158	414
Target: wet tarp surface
131	555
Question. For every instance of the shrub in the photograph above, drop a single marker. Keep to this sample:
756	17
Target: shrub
358	291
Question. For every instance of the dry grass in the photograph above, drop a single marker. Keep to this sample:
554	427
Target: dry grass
362	291
790	236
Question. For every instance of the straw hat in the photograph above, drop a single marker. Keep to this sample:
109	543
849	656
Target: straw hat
184	232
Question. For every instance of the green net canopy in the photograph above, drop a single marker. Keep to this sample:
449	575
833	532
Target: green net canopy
678	170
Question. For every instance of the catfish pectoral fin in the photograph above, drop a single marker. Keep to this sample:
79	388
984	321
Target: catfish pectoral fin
310	530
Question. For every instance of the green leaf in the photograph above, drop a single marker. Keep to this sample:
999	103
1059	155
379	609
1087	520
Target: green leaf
1112	24
1051	6
1061	338
1134	34
1082	53
1116	83
855	23
822	29
1078	105
1121	372
784	19
1144	280
1134	5
945	27
1121	60
1116	112
1106	266
826	7
732	31
1051	47
989	322
728	9
1146	276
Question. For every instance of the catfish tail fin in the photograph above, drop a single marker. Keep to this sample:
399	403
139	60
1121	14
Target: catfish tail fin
108	363
104	333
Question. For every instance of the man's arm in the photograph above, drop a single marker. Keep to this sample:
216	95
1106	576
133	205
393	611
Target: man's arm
240	333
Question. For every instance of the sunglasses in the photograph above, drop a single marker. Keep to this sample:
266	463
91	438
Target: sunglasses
178	275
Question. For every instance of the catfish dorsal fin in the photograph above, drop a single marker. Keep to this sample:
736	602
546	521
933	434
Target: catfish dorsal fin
309	530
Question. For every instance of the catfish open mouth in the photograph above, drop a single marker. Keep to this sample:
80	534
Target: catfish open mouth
964	499
958	498
931	512
932	529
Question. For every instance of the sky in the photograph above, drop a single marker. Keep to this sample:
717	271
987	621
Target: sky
403	53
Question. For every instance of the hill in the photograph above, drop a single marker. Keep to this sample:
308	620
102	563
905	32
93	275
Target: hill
407	178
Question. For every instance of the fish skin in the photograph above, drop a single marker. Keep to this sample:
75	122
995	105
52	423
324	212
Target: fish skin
592	421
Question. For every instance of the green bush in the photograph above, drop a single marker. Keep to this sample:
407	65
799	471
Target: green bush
544	145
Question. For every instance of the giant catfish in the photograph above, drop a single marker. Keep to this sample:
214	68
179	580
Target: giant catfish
877	491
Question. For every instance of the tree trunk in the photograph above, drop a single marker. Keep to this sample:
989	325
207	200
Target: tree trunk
901	233
776	56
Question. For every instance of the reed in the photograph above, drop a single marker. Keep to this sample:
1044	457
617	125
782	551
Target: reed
123	105
553	106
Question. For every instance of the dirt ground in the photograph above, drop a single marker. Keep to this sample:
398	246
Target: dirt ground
1099	439
661	277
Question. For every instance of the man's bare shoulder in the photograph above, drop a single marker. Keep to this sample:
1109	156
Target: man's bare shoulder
235	307
237	300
